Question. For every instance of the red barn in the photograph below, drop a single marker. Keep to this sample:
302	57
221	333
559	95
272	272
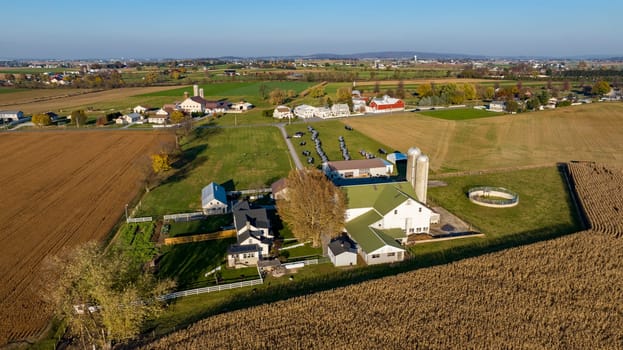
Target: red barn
386	104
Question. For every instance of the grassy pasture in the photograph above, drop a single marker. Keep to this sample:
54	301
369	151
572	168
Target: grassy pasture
586	132
239	158
460	113
329	131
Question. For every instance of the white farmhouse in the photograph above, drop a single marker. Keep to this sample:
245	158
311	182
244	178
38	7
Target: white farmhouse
340	110
497	106
11	115
214	199
239	256
282	112
130	118
253	227
304	111
140	109
241	106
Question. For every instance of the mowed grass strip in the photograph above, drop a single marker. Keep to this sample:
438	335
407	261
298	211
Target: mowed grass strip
460	113
238	158
329	131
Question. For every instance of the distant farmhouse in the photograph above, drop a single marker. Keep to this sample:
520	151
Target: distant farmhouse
497	106
9	116
214	199
282	112
306	111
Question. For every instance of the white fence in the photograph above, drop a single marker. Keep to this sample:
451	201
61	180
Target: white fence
218	288
298	263
143	219
185	216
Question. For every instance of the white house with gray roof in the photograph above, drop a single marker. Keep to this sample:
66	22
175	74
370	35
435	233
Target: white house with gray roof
342	251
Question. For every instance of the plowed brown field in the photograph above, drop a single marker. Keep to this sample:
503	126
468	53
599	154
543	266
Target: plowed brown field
58	189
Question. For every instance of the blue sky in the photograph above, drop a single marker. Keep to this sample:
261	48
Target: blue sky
157	29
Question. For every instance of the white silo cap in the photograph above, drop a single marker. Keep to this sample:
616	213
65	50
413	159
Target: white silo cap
414	150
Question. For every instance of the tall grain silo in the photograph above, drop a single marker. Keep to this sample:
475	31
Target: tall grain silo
421	177
195	90
412	154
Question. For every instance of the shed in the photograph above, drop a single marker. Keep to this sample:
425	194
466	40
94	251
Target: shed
214	199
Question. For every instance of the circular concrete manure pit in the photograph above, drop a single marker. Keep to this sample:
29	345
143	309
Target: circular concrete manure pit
493	197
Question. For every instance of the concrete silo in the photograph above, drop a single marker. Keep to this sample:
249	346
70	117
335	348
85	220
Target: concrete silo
421	177
412	154
195	90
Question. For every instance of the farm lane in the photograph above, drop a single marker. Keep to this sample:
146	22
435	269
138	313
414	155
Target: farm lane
293	153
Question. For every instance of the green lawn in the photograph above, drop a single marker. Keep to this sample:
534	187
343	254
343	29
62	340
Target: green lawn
544	203
460	113
329	131
238	158
303	251
187	263
212	223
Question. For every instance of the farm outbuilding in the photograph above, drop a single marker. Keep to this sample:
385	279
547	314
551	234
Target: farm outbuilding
342	251
214	199
396	157
346	169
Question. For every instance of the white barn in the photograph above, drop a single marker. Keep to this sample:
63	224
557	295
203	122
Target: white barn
214	199
340	110
304	111
11	115
193	104
380	217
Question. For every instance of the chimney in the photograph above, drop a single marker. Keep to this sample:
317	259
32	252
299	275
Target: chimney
185	94
201	92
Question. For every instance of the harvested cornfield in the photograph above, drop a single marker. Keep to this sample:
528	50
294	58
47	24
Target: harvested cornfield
564	293
594	184
59	189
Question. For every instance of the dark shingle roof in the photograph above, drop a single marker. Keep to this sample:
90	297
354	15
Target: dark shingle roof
246	248
342	244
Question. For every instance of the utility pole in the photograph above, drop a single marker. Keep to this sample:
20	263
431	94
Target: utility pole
126	213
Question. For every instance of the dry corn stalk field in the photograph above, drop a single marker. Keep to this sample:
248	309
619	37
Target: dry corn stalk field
564	293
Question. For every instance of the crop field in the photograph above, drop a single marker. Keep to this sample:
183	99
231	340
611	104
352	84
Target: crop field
329	131
60	189
594	182
238	158
65	100
460	113
561	293
586	132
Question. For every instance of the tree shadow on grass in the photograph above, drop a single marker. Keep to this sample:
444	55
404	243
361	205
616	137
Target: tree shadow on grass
188	262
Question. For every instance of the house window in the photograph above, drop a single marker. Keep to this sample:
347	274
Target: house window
411	230
420	209
376	256
391	254
395	211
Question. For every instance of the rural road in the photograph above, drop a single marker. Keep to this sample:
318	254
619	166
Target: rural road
295	156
